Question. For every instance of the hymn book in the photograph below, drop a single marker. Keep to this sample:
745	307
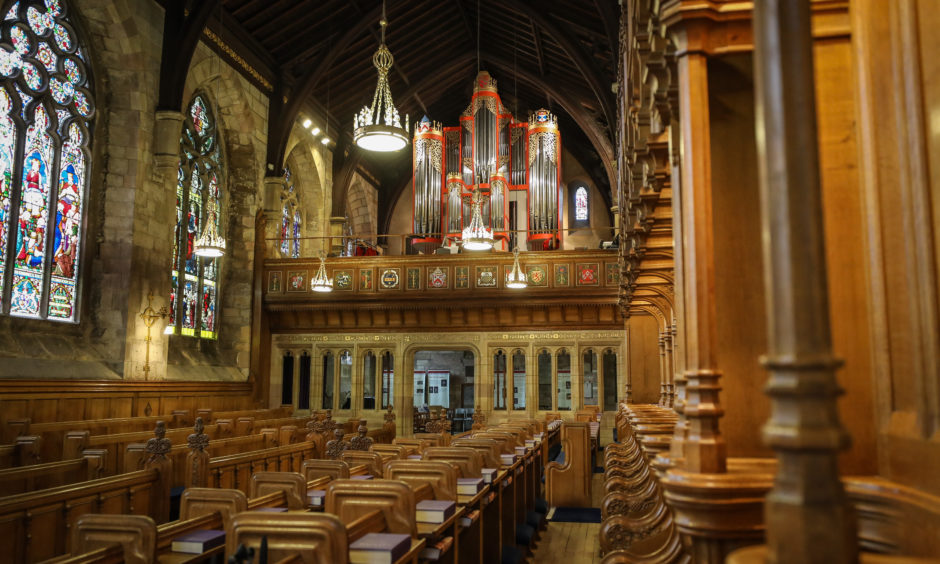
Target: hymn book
198	542
379	548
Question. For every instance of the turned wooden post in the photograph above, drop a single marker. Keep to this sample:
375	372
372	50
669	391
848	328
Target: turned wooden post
389	426
667	339
704	449
662	369
361	441
157	448
808	517
479	419
197	461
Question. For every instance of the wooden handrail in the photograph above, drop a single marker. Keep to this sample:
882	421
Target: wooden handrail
85	489
368	523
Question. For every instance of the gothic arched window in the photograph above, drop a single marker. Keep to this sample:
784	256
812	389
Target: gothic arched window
46	111
290	218
195	280
581	204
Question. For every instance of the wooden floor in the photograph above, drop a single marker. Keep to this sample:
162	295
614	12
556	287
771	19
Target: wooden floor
571	543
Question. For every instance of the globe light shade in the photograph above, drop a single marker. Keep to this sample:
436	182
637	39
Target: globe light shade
380	138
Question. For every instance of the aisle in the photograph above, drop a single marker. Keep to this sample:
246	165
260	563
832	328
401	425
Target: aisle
571	543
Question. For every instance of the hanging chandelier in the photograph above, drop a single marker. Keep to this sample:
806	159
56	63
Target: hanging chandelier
516	278
320	282
476	236
378	128
210	244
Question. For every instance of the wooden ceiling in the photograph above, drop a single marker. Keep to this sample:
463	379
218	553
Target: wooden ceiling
558	54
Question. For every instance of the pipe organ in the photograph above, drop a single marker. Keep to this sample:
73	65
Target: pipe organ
501	156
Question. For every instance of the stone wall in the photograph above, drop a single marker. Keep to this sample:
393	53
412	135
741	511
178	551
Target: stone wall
131	217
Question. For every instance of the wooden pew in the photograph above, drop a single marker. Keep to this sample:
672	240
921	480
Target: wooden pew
34	477
569	485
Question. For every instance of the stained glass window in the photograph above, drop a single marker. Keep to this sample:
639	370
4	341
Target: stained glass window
290	218
581	204
194	290
46	121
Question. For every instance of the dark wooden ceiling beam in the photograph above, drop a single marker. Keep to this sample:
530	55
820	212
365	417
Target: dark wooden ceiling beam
538	48
466	22
610	19
589	71
279	124
181	33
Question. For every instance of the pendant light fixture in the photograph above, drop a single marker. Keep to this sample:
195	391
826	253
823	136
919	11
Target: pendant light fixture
210	244
378	128
516	278
476	236
320	282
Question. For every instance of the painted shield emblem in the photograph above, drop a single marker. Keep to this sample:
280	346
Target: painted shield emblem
438	278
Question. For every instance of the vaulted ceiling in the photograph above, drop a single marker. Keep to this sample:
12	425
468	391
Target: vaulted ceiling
558	54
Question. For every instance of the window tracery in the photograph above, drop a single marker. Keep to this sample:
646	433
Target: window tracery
46	122
290	217
194	279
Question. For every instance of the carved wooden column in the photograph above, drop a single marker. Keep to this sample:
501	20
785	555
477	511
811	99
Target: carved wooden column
156	449
663	378
670	374
704	448
628	375
197	461
808	517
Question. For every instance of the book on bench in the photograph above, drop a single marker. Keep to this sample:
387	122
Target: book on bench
489	474
469	486
198	542
379	548
316	498
438	549
507	459
434	511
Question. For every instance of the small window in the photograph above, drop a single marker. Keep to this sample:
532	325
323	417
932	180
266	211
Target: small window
328	367
368	381
388	379
499	380
545	380
581	204
563	380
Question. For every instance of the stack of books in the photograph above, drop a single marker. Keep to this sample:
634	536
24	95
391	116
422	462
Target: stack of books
434	511
489	474
379	548
271	509
315	498
520	451
198	542
507	459
469	486
361	477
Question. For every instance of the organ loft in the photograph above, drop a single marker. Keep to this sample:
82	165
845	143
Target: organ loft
469	281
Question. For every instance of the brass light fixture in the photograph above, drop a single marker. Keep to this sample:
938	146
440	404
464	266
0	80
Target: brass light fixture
149	317
476	236
378	128
210	244
320	282
516	278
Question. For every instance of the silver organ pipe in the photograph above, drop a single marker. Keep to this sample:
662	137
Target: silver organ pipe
454	204
498	193
428	173
543	175
491	149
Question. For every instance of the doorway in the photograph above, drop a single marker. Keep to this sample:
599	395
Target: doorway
444	378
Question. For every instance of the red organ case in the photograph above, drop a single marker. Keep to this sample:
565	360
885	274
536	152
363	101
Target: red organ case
502	156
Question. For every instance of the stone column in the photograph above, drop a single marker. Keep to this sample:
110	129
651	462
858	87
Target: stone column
336	234
807	513
273	186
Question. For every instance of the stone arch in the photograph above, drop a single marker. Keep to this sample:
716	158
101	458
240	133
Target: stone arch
362	208
306	168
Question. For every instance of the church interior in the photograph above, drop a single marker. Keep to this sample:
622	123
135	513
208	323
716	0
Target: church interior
475	281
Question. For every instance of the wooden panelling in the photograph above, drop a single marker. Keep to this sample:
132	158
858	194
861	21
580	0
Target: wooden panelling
740	321
76	399
644	358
